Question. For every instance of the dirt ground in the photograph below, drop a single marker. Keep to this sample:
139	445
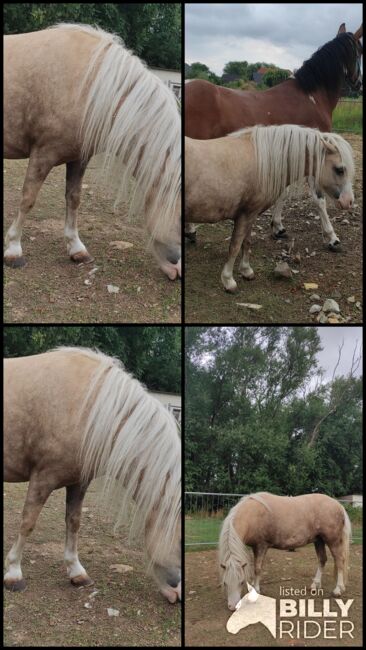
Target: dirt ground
52	289
51	612
338	275
206	612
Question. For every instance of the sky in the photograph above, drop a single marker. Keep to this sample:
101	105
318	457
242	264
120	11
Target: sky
331	338
283	34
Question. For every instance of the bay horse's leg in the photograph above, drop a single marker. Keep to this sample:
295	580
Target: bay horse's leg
37	495
74	175
278	230
339	556
39	166
332	240
74	501
239	232
259	555
322	558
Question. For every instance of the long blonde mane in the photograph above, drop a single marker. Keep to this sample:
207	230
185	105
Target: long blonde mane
131	440
131	117
283	152
233	553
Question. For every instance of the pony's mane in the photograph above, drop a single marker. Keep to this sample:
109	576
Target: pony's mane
131	440
132	118
283	151
326	67
232	551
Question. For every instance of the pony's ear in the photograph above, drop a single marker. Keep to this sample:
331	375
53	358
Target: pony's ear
342	29
328	146
223	566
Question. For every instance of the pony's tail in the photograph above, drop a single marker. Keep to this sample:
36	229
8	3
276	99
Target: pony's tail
346	540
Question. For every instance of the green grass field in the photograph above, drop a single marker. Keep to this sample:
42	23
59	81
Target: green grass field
347	117
203	533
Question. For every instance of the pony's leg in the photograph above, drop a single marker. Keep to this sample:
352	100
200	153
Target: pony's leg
331	238
239	232
339	556
74	175
278	230
322	558
259	555
74	501
190	231
245	269
38	168
37	495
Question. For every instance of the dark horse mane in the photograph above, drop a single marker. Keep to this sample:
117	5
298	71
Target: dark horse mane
326	67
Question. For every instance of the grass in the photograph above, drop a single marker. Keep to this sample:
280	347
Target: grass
347	116
202	533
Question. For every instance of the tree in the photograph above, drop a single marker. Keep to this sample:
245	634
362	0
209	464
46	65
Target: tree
254	397
152	354
151	30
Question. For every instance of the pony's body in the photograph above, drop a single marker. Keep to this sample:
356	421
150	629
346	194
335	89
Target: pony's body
240	176
73	91
264	520
308	100
72	415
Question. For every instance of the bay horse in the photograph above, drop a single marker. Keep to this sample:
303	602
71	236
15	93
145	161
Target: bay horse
241	175
71	92
263	520
308	99
72	415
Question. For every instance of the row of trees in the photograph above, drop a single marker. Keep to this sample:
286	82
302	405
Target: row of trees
151	30
242	71
152	354
259	415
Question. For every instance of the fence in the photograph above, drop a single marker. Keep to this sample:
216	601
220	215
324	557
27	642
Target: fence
205	512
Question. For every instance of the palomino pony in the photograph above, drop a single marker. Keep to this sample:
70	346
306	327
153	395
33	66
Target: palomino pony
73	91
308	99
72	415
264	521
241	175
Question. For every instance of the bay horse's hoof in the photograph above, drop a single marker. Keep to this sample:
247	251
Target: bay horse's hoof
15	262
82	257
15	585
191	236
82	581
281	234
336	247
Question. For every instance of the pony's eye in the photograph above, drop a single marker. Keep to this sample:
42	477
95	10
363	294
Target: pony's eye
339	171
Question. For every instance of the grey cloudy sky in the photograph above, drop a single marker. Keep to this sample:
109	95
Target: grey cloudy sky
331	338
283	34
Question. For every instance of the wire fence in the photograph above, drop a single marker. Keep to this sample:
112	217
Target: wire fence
205	512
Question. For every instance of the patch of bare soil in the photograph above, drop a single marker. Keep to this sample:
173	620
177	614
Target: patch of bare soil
52	289
51	612
338	275
206	612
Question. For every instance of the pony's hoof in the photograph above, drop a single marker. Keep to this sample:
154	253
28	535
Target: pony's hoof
82	581
15	585
231	288
281	234
15	262
336	247
82	257
251	276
